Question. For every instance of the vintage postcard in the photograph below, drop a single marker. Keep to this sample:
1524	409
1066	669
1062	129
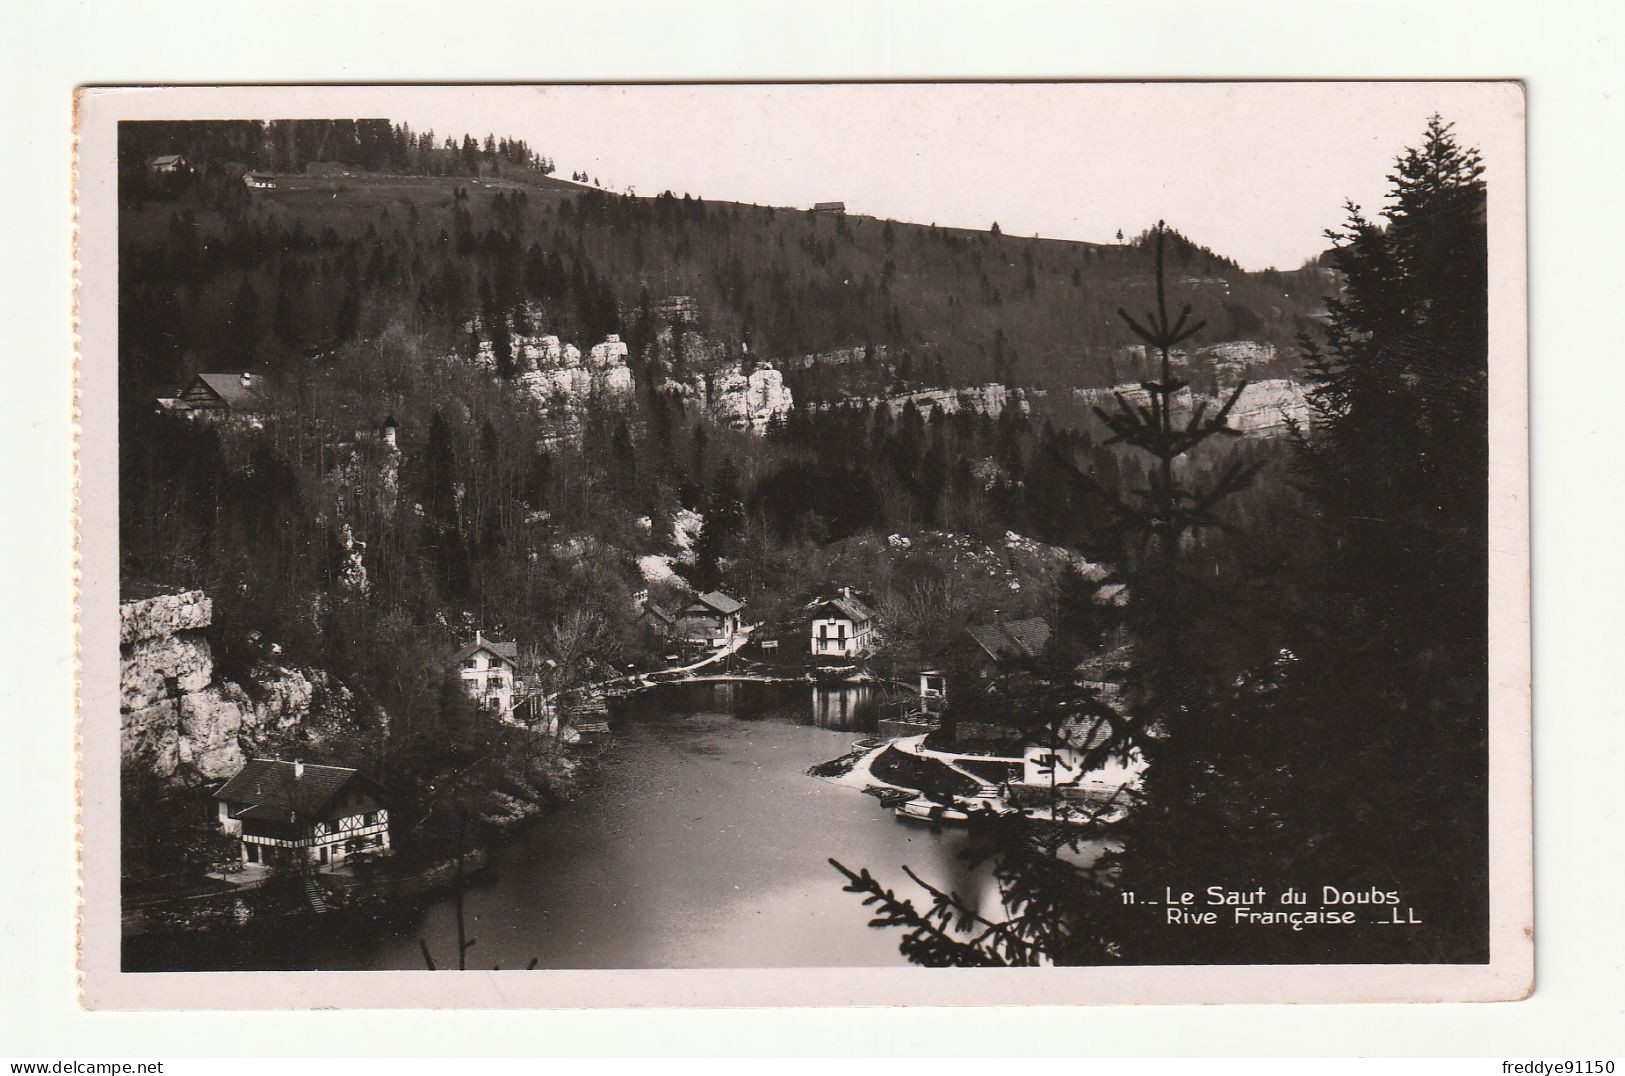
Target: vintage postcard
814	544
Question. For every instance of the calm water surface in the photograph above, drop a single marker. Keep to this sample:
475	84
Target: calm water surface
702	843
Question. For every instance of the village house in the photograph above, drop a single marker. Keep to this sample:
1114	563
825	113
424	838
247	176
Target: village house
300	816
711	619
239	394
658	619
168	164
488	670
842	626
259	182
829	207
1005	645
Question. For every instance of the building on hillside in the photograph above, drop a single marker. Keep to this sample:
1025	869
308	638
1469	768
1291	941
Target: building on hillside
829	207
168	164
166	399
658	619
258	182
239	394
1005	645
488	670
841	626
300	816
711	619
1063	765
933	690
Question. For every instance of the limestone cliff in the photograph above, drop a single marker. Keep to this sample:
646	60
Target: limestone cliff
181	724
742	400
1264	408
555	376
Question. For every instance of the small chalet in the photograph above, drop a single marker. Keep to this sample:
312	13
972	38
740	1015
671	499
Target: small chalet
842	626
296	815
829	207
933	690
1006	645
168	164
712	619
658	619
488	670
235	393
259	182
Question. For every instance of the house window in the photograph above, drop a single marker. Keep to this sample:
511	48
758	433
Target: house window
472	663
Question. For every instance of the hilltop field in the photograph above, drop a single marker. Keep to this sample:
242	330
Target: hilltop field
224	276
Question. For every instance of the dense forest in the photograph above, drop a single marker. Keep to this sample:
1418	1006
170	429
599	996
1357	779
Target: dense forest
1310	609
220	276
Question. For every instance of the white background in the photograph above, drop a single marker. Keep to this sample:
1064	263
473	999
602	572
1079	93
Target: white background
1570	56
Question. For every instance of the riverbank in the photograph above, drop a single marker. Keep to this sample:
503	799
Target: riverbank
699	843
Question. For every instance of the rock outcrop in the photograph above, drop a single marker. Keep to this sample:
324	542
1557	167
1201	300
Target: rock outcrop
744	401
1264	408
555	376
177	721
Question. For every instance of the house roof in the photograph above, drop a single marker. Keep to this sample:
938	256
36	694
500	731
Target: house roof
721	602
849	607
508	650
274	791
660	612
1007	640
829	205
168	158
230	389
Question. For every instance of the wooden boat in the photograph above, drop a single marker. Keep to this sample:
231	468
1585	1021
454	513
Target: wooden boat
920	809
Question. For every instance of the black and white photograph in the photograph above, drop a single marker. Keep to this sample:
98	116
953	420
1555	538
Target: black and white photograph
836	532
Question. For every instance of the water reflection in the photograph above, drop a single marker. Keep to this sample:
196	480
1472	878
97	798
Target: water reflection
702	843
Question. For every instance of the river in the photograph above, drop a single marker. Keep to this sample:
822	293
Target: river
701	843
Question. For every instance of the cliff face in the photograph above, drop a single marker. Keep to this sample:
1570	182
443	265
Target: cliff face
181	724
1264	408
991	400
556	377
744	401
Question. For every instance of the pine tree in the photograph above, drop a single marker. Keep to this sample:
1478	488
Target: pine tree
1060	908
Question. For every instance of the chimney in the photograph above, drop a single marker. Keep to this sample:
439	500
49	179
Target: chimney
247	379
998	616
479	640
298	770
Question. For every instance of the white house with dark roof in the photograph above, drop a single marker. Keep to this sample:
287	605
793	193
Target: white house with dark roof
298	815
711	619
488	670
841	626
